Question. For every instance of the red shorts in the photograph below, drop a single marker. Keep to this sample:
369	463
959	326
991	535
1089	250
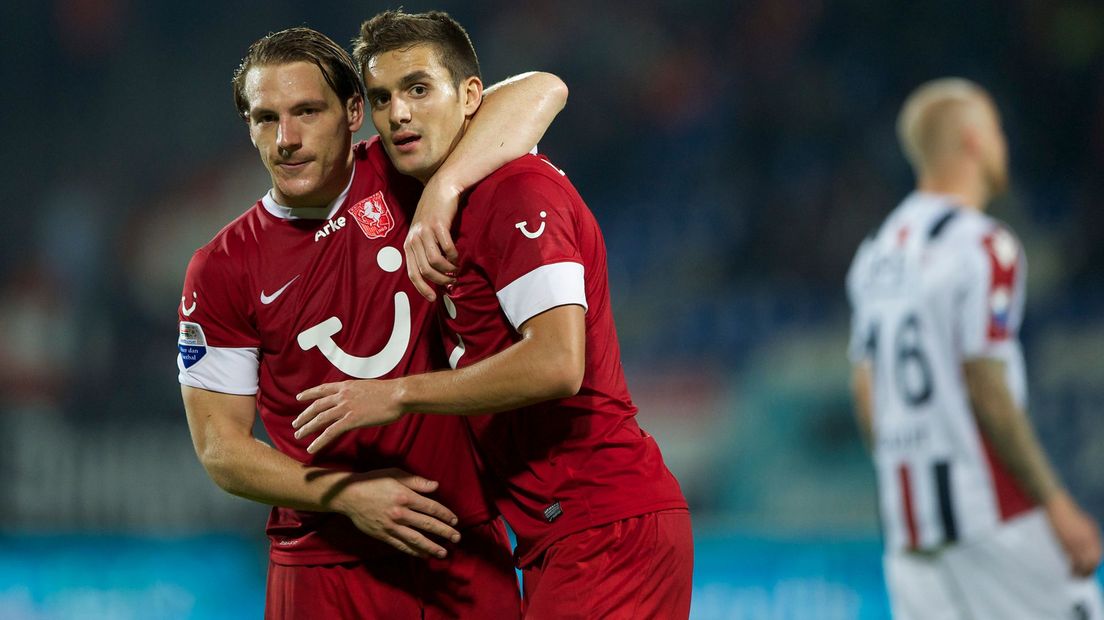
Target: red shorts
475	581
630	569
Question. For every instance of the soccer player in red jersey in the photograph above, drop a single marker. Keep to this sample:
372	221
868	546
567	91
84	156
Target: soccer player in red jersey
307	286
603	529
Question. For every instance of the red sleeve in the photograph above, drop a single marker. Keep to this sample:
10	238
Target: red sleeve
218	345
213	299
529	222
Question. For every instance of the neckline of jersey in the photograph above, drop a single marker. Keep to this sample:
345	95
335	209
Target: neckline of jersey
307	213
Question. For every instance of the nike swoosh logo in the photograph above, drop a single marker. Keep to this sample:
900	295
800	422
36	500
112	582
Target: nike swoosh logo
267	299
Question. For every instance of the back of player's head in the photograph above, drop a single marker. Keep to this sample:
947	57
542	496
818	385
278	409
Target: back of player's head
300	45
930	124
396	30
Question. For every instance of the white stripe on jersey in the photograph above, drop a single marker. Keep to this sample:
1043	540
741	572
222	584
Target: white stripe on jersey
230	370
544	288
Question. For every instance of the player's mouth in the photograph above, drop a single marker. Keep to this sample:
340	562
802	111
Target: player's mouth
406	141
293	166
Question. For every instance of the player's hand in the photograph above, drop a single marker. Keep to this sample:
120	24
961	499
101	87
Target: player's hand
343	406
1077	533
430	253
389	505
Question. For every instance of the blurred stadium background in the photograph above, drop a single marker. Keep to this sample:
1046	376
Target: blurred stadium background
734	152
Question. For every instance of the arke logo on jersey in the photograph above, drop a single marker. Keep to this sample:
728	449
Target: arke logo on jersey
192	343
331	226
373	215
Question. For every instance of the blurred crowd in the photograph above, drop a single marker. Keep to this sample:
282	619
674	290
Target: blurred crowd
734	152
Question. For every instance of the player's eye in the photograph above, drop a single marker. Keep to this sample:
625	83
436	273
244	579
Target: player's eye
379	100
265	118
419	90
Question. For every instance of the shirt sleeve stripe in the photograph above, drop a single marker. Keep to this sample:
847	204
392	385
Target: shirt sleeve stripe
223	369
544	288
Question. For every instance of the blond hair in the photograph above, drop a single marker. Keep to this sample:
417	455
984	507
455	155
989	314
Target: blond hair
929	125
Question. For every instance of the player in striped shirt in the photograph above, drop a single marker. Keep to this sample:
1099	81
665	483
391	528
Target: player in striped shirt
976	521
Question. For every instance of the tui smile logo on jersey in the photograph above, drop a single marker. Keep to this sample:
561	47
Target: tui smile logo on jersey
522	226
386	359
373	215
188	310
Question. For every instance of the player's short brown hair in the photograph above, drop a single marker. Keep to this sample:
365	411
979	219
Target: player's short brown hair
395	30
299	45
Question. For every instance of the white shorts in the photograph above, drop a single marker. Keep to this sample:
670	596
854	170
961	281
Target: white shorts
1017	572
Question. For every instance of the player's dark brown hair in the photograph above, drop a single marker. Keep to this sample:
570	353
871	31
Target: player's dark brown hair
299	45
396	30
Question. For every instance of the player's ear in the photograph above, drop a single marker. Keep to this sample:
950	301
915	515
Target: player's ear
974	130
971	140
354	112
471	90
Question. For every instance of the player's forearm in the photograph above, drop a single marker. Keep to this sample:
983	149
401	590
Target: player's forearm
862	395
221	429
254	470
1008	429
521	375
514	115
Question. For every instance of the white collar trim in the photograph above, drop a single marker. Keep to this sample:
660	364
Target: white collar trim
306	213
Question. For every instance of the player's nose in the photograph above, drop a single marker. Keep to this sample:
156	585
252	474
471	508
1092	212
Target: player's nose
399	112
288	137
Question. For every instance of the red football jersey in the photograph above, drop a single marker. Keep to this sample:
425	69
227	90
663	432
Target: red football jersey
528	243
277	303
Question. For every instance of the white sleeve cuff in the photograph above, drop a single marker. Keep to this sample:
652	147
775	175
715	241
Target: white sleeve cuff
218	369
544	288
987	349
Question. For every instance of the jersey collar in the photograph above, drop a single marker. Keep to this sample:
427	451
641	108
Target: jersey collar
306	213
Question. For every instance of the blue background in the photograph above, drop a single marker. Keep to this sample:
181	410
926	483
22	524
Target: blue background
734	153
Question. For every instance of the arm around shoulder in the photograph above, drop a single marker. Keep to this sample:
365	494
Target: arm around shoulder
509	123
547	89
